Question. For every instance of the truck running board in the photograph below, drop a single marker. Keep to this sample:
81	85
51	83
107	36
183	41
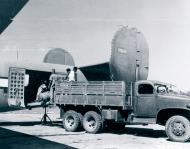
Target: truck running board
138	120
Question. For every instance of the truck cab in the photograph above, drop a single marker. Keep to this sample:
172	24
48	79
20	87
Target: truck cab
151	97
156	102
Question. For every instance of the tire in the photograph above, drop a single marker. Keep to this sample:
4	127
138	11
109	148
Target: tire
71	121
178	128
92	122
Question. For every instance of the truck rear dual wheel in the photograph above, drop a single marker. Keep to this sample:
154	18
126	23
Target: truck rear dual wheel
178	128
72	120
92	122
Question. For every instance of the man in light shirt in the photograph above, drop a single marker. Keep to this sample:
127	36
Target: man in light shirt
73	74
52	79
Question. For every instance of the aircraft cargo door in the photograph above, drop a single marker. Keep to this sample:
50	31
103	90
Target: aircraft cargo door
16	84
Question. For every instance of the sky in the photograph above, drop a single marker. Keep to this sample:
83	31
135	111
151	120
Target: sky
88	26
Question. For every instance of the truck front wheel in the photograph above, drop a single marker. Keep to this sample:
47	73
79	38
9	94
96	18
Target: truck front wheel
71	121
92	122
178	128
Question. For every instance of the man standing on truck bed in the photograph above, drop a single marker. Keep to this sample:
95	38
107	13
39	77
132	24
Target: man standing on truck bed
54	77
73	74
68	72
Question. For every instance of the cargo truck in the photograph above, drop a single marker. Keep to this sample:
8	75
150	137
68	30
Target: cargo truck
94	105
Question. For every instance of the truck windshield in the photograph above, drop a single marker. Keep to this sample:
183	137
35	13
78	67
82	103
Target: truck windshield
173	89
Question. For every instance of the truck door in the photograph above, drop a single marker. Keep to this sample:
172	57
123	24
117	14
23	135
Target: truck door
145	103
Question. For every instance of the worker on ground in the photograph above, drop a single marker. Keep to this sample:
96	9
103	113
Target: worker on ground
73	74
42	88
42	93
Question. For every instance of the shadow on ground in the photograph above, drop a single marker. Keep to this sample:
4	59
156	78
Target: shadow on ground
8	109
142	132
55	123
14	140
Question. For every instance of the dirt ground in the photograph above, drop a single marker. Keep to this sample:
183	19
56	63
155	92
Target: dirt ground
22	130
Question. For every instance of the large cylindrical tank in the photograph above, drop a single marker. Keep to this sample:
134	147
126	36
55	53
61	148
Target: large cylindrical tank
129	55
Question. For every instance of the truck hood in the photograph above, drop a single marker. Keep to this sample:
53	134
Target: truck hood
172	101
174	96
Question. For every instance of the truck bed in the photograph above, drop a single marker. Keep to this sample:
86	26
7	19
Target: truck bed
103	93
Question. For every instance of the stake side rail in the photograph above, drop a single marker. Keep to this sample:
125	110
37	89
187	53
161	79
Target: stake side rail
97	93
